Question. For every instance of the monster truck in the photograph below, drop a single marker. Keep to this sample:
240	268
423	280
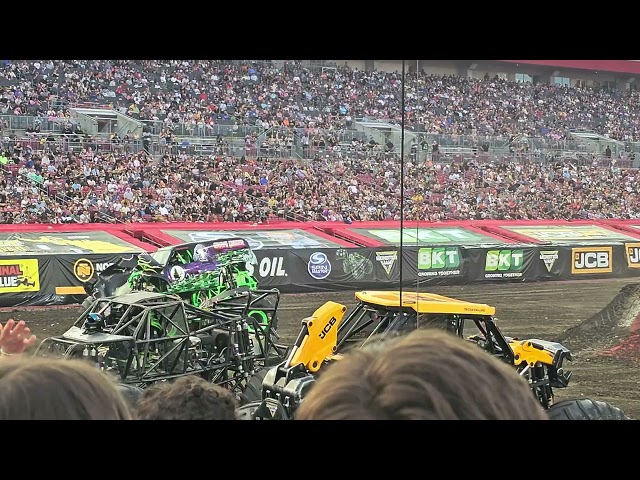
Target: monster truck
198	272
145	337
380	315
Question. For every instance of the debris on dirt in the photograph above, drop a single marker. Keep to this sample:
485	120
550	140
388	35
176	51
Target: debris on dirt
614	330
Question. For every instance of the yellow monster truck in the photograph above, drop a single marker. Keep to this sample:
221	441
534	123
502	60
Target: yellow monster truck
378	315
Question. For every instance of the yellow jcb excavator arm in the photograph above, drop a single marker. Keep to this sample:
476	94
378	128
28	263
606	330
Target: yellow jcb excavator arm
318	338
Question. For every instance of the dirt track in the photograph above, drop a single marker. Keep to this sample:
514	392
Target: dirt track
540	310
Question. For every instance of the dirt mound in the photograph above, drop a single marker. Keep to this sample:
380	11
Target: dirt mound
614	330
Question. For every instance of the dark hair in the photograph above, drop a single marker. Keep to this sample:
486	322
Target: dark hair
131	394
426	375
57	389
187	398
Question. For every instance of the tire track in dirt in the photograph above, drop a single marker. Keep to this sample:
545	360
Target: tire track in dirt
543	310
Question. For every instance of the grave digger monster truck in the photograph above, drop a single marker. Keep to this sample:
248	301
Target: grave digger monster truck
380	315
146	337
198	272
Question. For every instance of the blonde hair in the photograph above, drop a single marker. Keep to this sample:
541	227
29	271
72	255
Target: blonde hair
426	375
57	389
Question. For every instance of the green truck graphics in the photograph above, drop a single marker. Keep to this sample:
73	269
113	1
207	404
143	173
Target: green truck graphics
438	261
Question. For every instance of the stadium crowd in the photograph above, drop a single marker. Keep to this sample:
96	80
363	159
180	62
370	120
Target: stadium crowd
40	182
203	93
100	187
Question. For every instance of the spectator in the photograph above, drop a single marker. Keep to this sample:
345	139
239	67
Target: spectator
15	338
57	389
131	394
52	181
187	398
133	188
425	375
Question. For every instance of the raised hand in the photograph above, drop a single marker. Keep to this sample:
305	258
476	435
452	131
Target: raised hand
15	337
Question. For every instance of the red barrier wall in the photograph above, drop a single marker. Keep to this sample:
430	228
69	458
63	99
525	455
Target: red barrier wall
495	226
119	231
346	231
625	225
133	233
155	229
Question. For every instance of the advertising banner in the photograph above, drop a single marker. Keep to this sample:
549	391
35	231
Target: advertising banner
591	260
435	265
60	279
258	239
515	263
552	263
572	262
56	243
427	236
20	275
75	271
28	281
569	234
596	261
632	255
386	263
310	269
273	268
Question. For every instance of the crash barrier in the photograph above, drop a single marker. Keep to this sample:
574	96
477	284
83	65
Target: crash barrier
316	270
51	264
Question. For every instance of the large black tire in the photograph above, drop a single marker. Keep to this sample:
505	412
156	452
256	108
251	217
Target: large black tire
253	391
585	409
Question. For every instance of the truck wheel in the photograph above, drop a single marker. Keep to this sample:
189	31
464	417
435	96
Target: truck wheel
585	409
253	391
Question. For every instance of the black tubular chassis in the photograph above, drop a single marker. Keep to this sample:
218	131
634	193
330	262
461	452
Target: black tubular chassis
149	337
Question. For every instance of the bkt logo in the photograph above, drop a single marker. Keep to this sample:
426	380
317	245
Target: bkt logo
633	254
591	260
504	260
436	258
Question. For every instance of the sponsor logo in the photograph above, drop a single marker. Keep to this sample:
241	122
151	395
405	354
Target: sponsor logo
272	407
632	250
19	276
549	258
102	266
208	236
387	260
83	269
473	309
504	263
239	243
574	233
272	267
428	236
438	261
319	266
97	242
590	260
354	263
177	273
327	328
